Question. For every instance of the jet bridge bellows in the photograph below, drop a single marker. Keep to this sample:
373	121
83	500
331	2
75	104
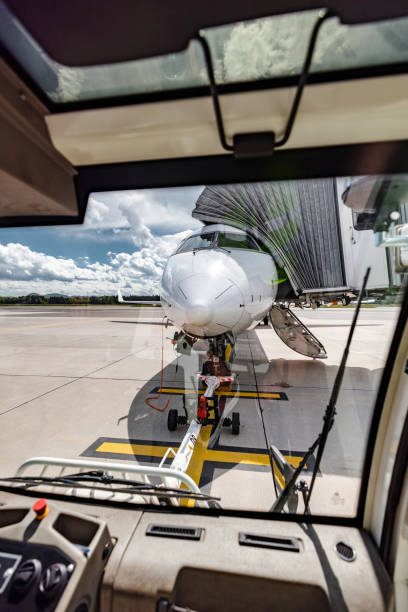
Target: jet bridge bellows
297	221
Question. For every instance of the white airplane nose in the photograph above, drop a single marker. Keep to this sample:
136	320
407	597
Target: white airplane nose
211	304
199	313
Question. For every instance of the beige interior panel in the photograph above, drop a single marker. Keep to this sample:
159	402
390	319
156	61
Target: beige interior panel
34	178
235	577
214	573
347	112
389	432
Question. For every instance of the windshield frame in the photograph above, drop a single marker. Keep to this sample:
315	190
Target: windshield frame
371	158
382	390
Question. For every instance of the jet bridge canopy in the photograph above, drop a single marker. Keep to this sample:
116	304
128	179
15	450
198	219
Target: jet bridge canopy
296	220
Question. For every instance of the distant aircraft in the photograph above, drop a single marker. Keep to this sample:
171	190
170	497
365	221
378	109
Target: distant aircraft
220	282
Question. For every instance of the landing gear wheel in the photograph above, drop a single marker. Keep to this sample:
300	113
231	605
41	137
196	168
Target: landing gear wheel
266	321
235	423
172	420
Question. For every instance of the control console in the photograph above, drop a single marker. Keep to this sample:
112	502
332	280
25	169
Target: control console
32	576
50	559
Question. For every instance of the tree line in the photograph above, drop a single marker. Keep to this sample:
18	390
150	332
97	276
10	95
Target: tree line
75	300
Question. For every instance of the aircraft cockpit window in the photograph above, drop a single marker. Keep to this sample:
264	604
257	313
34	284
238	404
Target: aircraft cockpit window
229	240
201	241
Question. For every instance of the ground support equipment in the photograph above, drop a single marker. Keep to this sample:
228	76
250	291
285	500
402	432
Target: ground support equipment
181	458
209	401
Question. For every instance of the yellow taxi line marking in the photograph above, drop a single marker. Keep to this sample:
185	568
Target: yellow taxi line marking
22	328
237	457
254	394
130	449
201	452
200	456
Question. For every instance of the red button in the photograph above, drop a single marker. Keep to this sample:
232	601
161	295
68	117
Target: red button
40	508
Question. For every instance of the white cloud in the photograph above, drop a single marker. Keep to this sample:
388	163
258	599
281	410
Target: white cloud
24	271
277	46
133	215
19	262
151	222
97	213
141	234
163	211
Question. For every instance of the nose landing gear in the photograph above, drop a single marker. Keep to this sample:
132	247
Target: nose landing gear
215	376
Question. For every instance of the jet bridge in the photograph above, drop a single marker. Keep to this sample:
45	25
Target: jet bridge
297	221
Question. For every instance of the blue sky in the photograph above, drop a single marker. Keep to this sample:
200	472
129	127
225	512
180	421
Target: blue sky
124	241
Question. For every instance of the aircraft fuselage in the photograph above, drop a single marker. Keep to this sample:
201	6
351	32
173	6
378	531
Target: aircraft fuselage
218	281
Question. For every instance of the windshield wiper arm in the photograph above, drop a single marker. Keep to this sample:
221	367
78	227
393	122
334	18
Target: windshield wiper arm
98	476
328	421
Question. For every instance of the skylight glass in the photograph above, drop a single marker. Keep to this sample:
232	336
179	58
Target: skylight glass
254	50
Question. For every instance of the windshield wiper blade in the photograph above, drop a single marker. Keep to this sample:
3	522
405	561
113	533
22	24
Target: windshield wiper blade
328	421
92	476
100	477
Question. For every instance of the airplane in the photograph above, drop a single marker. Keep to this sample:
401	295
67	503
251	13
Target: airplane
220	282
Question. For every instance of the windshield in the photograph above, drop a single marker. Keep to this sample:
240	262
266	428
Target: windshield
236	241
202	241
231	240
240	356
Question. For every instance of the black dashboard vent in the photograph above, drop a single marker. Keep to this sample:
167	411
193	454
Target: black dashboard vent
262	541
172	531
345	551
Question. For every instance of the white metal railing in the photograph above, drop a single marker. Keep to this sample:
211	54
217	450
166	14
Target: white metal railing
165	474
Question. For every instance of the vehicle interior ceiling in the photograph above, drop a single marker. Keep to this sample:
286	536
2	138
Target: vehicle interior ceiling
58	148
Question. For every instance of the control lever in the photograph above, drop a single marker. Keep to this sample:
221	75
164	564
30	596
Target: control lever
26	576
53	580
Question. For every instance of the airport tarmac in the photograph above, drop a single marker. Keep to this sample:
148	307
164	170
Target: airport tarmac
76	382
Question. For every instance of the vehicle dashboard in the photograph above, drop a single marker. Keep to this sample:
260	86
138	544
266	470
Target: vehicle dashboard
131	559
